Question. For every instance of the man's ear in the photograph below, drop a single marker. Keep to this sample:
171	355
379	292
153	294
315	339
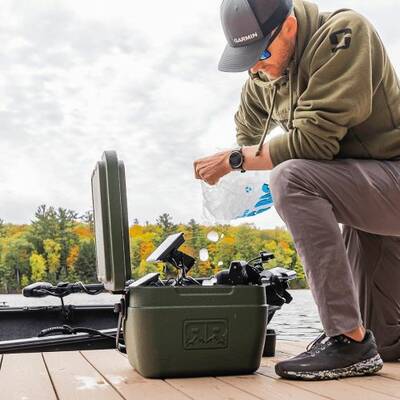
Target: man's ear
290	26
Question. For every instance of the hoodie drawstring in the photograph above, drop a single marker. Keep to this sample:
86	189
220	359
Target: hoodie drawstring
291	110
291	101
268	123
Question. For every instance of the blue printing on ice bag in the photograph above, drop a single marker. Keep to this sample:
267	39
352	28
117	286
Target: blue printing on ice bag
264	201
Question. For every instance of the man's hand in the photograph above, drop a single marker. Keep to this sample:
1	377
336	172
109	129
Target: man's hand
211	169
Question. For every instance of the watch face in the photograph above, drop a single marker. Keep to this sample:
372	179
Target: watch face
235	159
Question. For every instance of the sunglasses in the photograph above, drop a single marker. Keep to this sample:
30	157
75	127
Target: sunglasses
267	54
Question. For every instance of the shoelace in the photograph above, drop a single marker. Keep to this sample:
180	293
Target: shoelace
316	341
316	346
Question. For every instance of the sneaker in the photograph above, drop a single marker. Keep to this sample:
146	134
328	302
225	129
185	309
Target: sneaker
333	357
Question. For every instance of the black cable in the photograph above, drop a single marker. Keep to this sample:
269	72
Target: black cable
69	330
59	291
87	291
50	293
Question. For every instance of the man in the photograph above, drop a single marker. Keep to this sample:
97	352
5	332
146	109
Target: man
325	78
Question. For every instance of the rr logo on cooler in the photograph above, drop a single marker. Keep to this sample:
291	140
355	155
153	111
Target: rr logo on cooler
205	334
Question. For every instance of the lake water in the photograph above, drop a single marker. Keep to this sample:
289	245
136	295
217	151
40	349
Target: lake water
298	320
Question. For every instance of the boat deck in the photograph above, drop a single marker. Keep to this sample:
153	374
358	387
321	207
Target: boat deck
107	375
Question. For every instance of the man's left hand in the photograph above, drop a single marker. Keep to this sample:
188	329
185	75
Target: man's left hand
211	169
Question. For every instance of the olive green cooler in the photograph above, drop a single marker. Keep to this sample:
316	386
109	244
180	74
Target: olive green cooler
173	331
195	331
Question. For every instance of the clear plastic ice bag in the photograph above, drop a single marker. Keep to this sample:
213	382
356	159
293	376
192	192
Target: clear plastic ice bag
237	195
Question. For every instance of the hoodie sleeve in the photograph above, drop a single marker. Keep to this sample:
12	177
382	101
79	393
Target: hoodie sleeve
344	73
251	117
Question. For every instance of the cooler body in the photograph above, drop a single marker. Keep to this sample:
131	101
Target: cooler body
195	331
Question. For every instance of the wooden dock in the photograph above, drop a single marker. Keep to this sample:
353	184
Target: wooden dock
107	375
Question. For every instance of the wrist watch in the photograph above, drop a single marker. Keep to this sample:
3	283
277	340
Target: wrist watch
236	160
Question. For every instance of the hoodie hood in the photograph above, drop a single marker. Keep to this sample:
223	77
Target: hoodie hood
309	20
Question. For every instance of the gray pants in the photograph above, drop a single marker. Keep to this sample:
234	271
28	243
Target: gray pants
353	274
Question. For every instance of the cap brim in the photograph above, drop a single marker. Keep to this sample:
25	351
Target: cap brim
239	59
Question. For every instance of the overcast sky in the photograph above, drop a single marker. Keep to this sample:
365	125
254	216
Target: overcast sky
78	77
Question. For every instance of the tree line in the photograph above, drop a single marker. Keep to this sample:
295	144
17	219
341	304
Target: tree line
58	245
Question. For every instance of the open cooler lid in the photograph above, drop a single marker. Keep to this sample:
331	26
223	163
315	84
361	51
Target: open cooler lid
111	222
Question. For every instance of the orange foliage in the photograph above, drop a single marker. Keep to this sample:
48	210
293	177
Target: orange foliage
228	240
186	248
72	256
16	231
135	230
283	244
146	248
83	231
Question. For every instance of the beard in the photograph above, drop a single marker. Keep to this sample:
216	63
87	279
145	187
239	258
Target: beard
277	64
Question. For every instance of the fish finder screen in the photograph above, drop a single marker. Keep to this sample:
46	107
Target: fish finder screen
163	251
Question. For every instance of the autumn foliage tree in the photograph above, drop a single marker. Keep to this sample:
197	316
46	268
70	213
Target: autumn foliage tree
59	245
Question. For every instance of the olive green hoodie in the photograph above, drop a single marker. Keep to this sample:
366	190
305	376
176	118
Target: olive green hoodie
340	97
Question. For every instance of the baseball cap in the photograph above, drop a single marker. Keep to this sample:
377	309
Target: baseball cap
248	25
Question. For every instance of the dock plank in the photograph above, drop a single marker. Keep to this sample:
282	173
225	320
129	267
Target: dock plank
25	377
378	383
265	387
107	375
116	369
209	389
75	379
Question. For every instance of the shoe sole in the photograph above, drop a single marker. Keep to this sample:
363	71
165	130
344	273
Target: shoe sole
366	367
